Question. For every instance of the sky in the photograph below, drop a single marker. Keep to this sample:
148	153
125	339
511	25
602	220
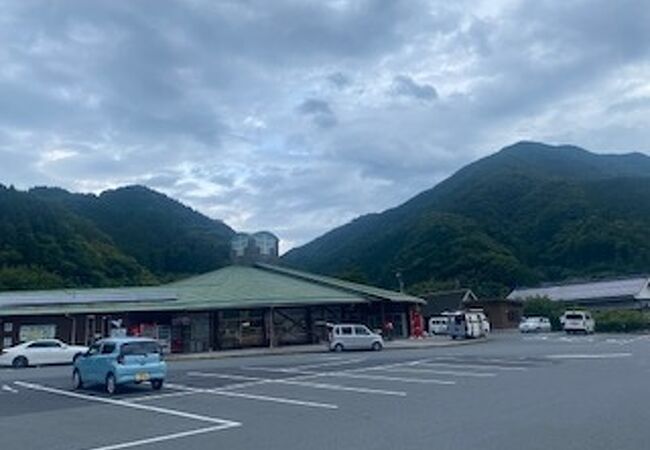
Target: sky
297	116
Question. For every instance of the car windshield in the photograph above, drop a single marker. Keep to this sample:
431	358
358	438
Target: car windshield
140	348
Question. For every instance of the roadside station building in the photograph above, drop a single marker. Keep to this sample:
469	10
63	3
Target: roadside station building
245	305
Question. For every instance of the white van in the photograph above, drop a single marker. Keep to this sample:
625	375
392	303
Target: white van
354	337
466	325
438	325
578	322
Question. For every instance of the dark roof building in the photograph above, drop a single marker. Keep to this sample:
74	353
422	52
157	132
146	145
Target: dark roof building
446	301
625	293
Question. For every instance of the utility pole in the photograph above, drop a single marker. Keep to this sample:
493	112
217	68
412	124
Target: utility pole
400	281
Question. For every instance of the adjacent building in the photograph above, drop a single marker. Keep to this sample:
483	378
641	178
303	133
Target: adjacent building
623	293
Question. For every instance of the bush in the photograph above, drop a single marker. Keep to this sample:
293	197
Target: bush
621	321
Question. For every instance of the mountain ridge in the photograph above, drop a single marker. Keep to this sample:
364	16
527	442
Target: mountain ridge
517	199
155	238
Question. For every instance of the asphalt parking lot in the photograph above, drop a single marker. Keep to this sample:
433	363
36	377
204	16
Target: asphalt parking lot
513	392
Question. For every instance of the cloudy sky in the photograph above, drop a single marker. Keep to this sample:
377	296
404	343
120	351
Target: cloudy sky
297	116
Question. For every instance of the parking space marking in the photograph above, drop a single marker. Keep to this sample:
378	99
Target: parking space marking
338	387
110	401
327	364
471	366
388	378
266	398
155	397
298	381
439	372
223	375
590	356
7	388
167	437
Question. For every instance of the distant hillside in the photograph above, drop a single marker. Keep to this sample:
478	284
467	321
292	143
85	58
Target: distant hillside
44	246
526	214
157	237
163	235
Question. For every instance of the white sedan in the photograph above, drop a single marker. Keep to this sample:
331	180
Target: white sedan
43	351
535	324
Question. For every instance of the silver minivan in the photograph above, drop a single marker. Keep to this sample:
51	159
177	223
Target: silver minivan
354	337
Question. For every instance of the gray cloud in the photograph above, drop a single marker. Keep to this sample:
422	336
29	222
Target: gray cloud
338	79
405	86
275	115
319	111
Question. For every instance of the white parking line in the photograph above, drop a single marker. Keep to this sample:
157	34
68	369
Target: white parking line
7	388
298	381
166	437
266	398
110	401
338	387
327	364
590	356
223	375
439	372
222	424
387	378
472	366
155	397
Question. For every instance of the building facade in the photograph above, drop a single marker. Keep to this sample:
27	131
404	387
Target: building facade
239	306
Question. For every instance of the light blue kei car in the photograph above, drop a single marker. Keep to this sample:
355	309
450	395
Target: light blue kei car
114	362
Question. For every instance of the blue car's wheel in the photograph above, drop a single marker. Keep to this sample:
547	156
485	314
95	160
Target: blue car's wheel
111	384
77	382
157	384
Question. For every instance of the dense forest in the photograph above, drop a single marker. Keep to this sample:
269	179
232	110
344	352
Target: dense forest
130	236
527	214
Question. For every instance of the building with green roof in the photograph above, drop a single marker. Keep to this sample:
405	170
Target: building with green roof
258	304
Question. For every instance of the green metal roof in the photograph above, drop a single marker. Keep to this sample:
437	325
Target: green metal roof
374	293
230	287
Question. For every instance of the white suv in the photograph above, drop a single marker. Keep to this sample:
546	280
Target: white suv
354	337
578	322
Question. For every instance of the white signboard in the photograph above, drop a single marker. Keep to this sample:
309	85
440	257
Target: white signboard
34	332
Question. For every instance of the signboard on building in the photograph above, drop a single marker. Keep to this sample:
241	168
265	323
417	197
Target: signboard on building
35	332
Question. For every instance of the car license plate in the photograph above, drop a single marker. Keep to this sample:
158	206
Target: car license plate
142	376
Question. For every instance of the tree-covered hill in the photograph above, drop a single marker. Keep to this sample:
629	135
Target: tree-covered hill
44	246
53	238
526	214
162	234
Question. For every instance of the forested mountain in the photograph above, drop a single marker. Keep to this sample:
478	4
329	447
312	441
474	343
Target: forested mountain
53	238
526	214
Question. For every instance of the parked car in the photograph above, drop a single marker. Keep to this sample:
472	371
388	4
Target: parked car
466	325
535	325
40	352
354	337
485	323
578	322
438	325
115	362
